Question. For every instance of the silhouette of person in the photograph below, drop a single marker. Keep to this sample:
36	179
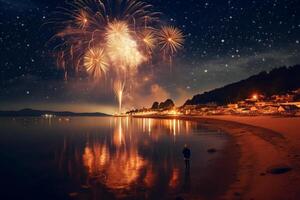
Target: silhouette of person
186	155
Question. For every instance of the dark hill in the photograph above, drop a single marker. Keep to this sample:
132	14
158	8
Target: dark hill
36	113
278	81
166	104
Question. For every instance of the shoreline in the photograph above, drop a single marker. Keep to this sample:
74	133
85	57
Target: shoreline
268	164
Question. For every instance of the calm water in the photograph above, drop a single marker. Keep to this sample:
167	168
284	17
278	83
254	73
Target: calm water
108	158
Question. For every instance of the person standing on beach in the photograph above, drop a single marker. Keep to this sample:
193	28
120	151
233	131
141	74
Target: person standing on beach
186	155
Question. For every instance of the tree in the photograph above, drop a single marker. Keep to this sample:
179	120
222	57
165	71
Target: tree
155	106
167	104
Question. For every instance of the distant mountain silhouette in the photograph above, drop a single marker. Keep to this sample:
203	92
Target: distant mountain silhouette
166	104
155	106
36	113
278	81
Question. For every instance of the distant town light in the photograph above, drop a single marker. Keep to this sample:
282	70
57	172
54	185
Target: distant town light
255	97
48	116
173	112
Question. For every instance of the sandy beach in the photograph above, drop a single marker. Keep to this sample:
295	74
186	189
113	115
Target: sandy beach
288	127
269	161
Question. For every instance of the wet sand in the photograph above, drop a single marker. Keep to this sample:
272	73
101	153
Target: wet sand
268	162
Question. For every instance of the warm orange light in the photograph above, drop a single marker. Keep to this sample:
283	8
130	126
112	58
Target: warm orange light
173	112
255	97
174	181
121	169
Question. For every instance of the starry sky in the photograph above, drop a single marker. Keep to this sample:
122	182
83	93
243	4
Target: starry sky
225	41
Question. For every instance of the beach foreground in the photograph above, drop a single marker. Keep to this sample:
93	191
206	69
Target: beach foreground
270	155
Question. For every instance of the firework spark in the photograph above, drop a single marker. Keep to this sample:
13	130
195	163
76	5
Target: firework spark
82	19
171	39
96	63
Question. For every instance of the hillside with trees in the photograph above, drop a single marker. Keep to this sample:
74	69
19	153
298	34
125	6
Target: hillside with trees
278	81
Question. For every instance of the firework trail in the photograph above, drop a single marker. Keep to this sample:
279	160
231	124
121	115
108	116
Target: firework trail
119	87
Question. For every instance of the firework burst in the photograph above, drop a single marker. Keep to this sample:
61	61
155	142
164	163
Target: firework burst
111	37
122	49
148	39
171	39
96	63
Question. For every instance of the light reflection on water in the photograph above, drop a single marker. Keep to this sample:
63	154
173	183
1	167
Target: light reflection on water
108	158
121	168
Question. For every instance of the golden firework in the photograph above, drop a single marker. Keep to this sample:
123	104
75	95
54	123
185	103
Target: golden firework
82	24
119	87
82	19
115	35
122	48
148	38
171	39
95	62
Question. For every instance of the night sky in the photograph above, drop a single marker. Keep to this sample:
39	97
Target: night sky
225	41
